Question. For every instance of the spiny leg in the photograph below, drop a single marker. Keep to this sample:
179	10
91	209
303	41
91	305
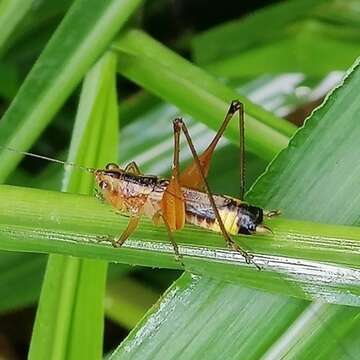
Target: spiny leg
172	202
191	176
178	126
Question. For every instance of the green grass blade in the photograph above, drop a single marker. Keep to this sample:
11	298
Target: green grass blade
297	40
9	81
11	13
71	302
322	150
176	80
307	254
85	32
309	44
238	36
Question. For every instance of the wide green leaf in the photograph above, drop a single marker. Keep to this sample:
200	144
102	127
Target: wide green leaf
192	328
323	176
321	332
305	181
302	253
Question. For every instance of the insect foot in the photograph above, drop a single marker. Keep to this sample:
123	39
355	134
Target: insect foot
178	124
179	259
116	243
249	258
271	213
235	106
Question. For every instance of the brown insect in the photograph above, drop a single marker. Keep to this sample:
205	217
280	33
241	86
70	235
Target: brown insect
184	198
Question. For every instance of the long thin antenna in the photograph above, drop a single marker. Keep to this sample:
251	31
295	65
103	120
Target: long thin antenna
242	150
91	170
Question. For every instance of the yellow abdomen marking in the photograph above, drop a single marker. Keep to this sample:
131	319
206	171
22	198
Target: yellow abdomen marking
229	219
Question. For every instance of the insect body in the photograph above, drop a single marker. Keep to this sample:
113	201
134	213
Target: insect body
185	197
128	192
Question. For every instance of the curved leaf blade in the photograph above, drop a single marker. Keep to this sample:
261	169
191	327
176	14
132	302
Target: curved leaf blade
169	76
201	334
81	38
71	224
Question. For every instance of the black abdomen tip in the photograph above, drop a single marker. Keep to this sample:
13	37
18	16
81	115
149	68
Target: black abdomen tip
248	218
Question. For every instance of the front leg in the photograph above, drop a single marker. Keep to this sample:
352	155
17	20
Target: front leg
131	227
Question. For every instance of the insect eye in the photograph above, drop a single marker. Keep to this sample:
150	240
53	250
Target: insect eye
111	166
103	185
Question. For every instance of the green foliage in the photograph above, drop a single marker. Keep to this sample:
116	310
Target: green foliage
291	183
291	27
220	307
219	42
171	77
58	70
11	13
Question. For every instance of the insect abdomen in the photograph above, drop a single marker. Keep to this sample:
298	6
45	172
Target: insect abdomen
238	217
229	218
